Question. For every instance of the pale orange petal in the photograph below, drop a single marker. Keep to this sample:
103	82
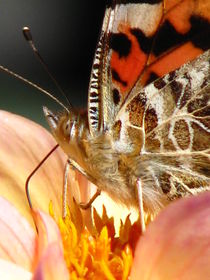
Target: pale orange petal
11	271
17	238
177	244
48	232
23	145
52	265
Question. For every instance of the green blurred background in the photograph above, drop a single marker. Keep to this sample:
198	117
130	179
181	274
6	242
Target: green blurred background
65	32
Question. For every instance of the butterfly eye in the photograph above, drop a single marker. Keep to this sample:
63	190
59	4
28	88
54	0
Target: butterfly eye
68	126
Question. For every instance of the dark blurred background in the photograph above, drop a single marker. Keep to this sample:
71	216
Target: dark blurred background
66	33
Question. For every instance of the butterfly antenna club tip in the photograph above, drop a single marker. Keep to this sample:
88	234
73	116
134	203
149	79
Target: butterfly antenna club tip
27	33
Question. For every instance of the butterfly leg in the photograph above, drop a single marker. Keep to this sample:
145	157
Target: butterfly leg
141	205
87	205
74	165
65	188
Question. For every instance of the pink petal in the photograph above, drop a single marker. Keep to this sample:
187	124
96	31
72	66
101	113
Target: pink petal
177	244
17	238
48	232
23	145
9	271
52	265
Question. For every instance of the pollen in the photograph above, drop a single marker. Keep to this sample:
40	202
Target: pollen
98	253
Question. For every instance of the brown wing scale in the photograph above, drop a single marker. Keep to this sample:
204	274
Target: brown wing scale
173	115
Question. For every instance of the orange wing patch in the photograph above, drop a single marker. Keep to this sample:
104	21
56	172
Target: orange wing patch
129	55
186	26
126	69
179	33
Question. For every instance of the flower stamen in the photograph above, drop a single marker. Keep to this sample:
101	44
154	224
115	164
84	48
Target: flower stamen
94	256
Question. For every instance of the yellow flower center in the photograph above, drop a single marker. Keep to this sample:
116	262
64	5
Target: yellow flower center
98	256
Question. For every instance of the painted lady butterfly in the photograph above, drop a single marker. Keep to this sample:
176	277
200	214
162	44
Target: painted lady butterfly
145	138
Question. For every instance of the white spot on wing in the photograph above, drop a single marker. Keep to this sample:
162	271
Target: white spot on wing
155	100
143	16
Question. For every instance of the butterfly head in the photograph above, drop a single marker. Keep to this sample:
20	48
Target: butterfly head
56	120
68	128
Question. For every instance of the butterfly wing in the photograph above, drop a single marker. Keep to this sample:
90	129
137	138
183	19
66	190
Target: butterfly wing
141	41
118	60
172	115
99	85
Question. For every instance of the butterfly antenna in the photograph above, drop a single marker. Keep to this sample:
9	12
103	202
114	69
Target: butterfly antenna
33	172
15	75
28	36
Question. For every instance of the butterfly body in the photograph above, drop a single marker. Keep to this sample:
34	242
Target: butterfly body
158	134
133	147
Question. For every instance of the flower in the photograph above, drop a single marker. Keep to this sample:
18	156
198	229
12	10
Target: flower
175	246
23	145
